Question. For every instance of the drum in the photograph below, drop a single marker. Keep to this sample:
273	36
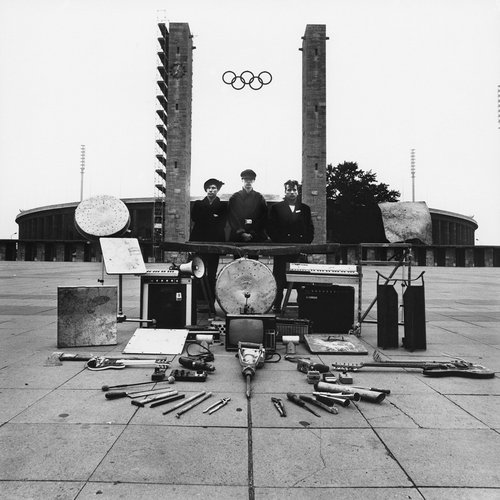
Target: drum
101	216
245	286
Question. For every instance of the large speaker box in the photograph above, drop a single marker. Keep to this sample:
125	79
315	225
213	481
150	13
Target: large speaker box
414	314
169	301
387	316
329	308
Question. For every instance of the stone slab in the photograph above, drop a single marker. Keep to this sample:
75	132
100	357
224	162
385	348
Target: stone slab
177	455
48	452
323	458
30	490
77	407
13	401
485	409
426	455
461	493
135	491
337	493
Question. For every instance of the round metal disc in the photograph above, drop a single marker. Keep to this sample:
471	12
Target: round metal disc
245	285
101	216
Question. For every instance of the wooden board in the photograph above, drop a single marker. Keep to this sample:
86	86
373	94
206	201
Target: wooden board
122	256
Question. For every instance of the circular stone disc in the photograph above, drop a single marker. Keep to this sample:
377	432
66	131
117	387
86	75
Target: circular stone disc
101	216
245	282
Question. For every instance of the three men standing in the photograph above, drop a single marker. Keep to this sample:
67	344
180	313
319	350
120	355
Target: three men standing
289	222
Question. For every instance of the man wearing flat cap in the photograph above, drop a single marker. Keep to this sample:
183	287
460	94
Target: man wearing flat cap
209	218
247	212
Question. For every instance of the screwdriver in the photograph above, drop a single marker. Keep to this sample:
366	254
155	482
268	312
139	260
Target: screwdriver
295	399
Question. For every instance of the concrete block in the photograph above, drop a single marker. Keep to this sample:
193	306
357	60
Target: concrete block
86	316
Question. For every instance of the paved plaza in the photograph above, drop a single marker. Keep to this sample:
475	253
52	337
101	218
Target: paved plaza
431	438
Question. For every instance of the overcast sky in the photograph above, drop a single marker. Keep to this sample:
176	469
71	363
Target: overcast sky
401	74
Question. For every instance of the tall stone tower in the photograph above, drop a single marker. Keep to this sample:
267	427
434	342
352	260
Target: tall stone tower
175	156
314	126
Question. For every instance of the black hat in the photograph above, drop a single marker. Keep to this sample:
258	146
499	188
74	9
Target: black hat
248	174
210	182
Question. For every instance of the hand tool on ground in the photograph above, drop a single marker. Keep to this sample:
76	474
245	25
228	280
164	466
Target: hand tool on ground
121	386
353	396
331	400
153	397
295	399
217	406
278	403
136	394
101	363
167	400
193	404
290	341
188	375
251	357
385	391
319	404
305	365
370	396
196	364
182	403
159	375
345	378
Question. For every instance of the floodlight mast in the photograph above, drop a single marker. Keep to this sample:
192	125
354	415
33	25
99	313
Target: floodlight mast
82	168
412	175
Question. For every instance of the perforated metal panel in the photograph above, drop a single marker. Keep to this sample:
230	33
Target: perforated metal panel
101	216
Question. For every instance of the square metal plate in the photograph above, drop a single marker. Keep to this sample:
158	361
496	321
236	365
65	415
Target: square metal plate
157	341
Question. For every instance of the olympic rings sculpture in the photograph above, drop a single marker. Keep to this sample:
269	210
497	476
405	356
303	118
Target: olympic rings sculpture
247	78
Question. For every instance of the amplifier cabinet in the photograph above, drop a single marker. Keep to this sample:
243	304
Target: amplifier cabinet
387	316
168	300
414	313
329	308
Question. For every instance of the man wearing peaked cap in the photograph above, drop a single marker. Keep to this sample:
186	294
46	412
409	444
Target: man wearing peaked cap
209	217
248	174
247	212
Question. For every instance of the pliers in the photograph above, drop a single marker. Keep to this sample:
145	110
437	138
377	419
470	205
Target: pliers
278	403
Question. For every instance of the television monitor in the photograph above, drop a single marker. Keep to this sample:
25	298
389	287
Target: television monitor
254	328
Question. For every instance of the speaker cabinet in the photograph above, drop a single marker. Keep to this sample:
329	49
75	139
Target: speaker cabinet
414	318
387	316
169	301
329	308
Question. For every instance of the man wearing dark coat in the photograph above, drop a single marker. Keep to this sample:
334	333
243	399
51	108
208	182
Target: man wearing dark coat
209	218
247	212
289	222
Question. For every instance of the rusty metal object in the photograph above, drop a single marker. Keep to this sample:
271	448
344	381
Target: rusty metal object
245	286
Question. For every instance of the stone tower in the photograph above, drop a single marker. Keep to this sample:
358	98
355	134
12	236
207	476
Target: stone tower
177	72
314	126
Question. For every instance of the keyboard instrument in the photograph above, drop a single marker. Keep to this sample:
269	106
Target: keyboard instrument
333	274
